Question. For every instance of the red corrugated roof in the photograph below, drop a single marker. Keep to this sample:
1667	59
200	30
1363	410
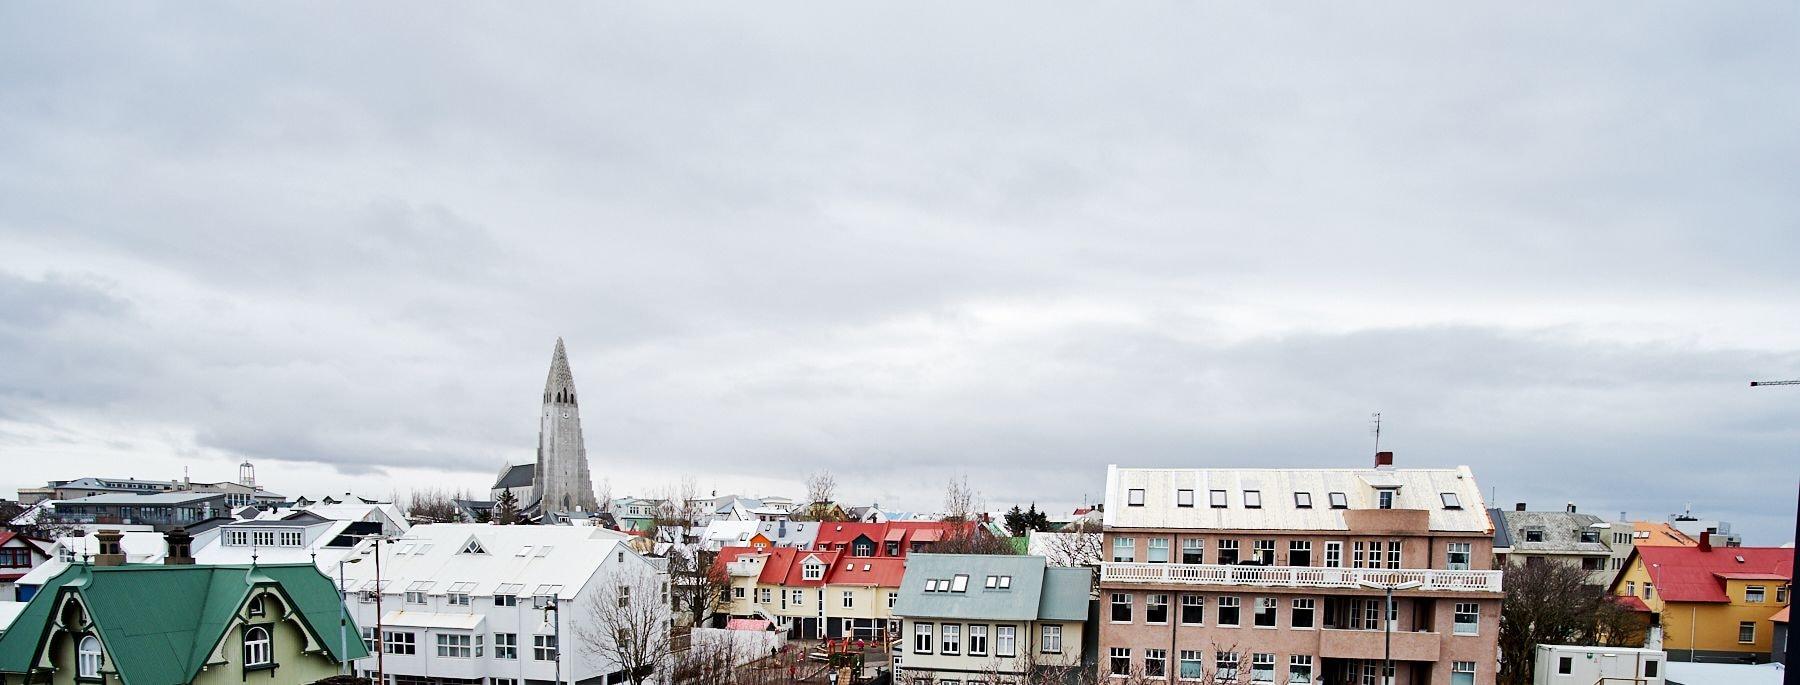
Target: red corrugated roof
882	572
796	572
1781	616
1688	574
833	534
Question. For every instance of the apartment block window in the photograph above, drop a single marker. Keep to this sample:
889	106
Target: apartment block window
1158	551
1262	667
1385	499
1265	613
1338	500
1468	618
1781	593
1357	554
1252	499
368	639
543	648
1192	665
1006	641
922	633
978	640
1052	640
395	642
1393	558
1121	607
849	599
1746	632
1156	608
1193	551
952	639
454	646
506	645
1229	610
1134	497
1334	555
1456	556
1184	498
1462	673
1228	552
1225	667
1118	662
1304	608
1300	669
1193	610
1124	549
1299	553
1753	594
1302	500
1156	663
1263	552
1217	499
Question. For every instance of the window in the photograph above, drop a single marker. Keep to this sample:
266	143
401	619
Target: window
1468	618
960	583
1193	551
1781	593
1299	553
1118	662
1338	500
1649	591
473	546
291	538
1121	607
1265	614
1462	673
458	594
798	597
1357	554
625	596
1156	608
1263	552
1158	552
1184	498
1393	559
256	648
1229	609
454	646
952	639
1006	641
1005	582
736	593
1252	499
1134	497
506	645
256	606
1192	668
1631	588
396	642
1565	665
812	571
1217	499
1226	666
1303	612
1590	536
892	598
1156	663
543	648
978	640
1385	499
1451	501
415	598
1302	500
849	599
1052	640
1651	668
1456	556
1746	632
1753	594
1300	669
1228	552
1334	554
368	639
88	657
1124	549
1193	610
1262	667
922	633
1534	535
237	538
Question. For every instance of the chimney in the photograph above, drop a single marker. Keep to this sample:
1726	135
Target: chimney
1384	459
111	554
1519	507
1705	541
1571	507
180	548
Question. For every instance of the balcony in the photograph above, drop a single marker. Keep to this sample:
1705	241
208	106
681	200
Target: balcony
1430	580
1368	644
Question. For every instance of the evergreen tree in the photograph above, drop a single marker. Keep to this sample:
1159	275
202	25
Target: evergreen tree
1015	521
1036	520
506	509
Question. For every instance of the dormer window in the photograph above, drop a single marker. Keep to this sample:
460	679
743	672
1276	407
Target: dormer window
1590	536
473	546
1252	499
1302	500
1451	501
1134	497
1385	499
1534	535
812	571
1338	500
1217	499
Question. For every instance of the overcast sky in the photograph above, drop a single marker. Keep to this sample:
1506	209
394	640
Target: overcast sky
906	241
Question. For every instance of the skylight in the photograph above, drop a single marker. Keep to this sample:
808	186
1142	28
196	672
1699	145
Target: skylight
1303	500
1451	501
1338	500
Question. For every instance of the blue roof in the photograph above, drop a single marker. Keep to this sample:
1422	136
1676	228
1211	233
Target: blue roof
1036	591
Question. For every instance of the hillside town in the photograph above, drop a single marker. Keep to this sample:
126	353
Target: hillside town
1383	571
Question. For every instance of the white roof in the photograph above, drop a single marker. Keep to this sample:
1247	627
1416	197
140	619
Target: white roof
729	532
387	513
431	619
530	556
8	612
1693	673
1416	489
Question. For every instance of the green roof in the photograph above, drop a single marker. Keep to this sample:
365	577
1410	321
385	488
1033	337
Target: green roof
1020	544
1037	591
1066	593
159	623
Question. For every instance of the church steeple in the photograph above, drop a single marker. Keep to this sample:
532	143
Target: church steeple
559	386
560	481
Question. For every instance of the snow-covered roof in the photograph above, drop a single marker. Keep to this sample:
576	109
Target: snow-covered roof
729	532
537	559
1279	507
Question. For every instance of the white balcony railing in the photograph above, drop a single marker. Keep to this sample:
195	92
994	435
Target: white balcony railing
1430	580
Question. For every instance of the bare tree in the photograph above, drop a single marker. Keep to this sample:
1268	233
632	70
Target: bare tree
959	500
680	511
697	582
628	624
1081	545
963	529
821	491
604	494
434	505
1547	604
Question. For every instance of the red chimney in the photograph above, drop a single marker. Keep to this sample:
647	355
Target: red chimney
1705	541
1384	459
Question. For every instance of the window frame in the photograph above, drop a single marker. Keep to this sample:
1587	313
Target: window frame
1134	497
1184	498
90	663
258	653
1338	500
924	633
1216	499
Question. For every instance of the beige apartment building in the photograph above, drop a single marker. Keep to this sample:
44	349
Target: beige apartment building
1281	576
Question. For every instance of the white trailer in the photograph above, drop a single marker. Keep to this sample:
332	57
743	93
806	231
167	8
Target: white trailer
1575	665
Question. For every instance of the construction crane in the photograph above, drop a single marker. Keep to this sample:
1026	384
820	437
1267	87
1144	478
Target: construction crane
1757	383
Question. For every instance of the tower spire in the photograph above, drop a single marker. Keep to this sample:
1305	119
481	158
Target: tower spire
560	480
560	383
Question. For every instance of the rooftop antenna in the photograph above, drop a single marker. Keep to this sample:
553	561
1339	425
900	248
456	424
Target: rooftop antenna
1375	428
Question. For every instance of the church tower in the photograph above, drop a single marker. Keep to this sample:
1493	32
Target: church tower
561	481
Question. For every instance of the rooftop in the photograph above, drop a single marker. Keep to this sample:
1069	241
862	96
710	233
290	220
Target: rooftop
1287	499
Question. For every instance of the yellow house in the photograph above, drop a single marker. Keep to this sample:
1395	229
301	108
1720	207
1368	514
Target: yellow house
1712	602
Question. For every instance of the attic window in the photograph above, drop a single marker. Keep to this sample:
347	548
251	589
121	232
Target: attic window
1134	497
1184	498
1740	558
993	582
1534	535
1302	500
256	607
960	583
523	551
931	585
1005	582
473	546
1385	499
1338	500
1451	501
1252	499
1217	499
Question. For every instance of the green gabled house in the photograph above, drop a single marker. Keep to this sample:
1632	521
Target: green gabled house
110	623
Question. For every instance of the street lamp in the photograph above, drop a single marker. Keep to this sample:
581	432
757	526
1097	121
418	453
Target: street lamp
1387	623
547	604
344	613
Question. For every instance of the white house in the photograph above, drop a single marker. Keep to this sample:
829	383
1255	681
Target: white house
465	604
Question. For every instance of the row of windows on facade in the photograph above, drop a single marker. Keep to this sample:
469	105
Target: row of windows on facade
258	650
458	594
15	557
960	583
264	538
948	639
1753	594
1363	554
1227	664
798	597
1341	613
460	645
1252	499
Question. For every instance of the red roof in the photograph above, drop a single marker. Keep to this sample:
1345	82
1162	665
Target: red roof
746	624
831	535
1781	616
1632	603
1688	574
880	572
8	536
